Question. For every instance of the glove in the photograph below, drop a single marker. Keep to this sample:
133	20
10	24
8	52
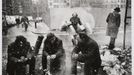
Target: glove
75	56
48	57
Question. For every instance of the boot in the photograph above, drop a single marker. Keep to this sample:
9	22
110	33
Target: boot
111	46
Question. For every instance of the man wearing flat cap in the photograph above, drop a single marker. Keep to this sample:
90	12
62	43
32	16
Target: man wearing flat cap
53	50
113	21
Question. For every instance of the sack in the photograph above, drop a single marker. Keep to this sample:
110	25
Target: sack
64	28
71	30
80	27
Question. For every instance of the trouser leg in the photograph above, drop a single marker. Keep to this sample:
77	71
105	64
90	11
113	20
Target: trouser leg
74	66
35	24
11	68
112	43
89	70
95	71
32	66
11	72
17	25
55	64
21	70
26	27
44	62
75	28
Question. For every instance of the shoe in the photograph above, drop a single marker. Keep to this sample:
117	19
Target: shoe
111	47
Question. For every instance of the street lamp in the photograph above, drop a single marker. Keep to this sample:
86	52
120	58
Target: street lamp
35	2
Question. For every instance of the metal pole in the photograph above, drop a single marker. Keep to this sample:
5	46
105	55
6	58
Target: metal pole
124	37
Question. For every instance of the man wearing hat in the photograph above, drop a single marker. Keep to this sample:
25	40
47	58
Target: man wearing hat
113	21
87	52
53	50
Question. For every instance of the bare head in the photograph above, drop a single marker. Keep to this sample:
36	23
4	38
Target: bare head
82	37
51	37
75	14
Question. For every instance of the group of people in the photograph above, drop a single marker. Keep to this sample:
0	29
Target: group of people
86	50
24	21
113	23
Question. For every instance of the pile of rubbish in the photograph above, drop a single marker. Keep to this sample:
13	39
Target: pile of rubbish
116	61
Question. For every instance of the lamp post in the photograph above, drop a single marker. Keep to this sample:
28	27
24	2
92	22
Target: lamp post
35	2
125	19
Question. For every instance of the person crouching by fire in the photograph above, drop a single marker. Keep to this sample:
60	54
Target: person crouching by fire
87	52
18	57
53	50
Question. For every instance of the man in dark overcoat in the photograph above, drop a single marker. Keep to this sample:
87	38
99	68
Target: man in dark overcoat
17	21
113	21
18	57
53	50
87	52
25	22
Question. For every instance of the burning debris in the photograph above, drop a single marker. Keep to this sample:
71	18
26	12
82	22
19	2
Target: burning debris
116	61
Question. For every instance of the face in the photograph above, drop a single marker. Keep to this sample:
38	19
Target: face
115	12
53	39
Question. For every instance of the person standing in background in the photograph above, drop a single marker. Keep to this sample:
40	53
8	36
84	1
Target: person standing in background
17	21
75	20
113	21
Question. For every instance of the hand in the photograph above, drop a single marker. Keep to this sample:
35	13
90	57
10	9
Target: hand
48	57
22	59
53	56
75	56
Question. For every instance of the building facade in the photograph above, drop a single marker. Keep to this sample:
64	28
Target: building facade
115	3
98	3
58	3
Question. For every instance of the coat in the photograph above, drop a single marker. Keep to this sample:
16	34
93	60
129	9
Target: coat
15	52
75	21
89	53
50	49
55	48
113	25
